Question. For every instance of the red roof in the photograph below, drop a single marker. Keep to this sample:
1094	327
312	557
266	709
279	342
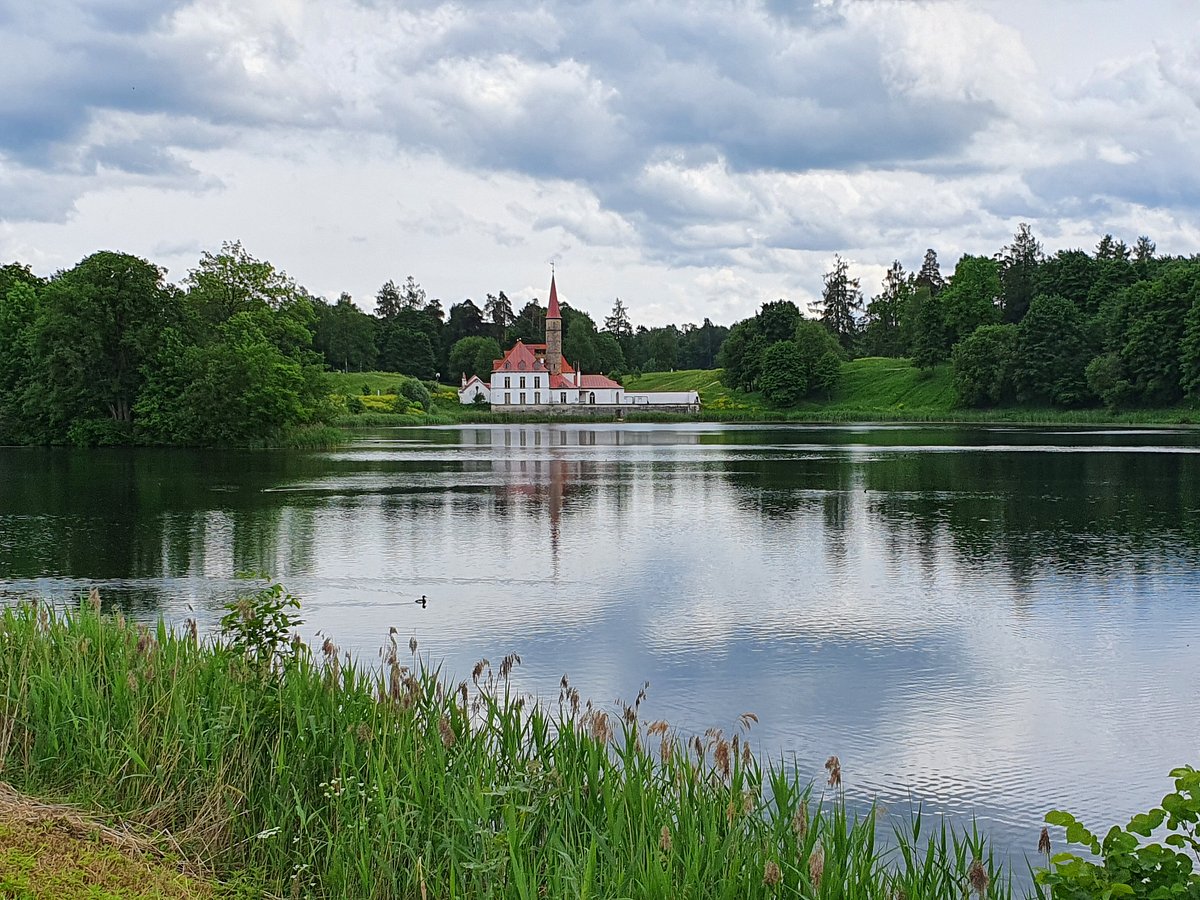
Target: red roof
519	359
552	311
597	381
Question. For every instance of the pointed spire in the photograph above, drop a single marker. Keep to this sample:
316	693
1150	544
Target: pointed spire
552	311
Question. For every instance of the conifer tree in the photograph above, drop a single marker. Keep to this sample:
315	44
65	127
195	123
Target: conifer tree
841	303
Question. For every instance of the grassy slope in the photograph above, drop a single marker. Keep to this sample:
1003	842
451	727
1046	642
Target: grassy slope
879	389
871	389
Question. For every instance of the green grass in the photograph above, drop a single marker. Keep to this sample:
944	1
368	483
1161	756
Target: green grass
881	390
329	779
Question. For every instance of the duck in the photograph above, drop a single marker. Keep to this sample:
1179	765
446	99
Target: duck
422	601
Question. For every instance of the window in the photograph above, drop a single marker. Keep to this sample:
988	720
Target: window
562	398
521	365
522	381
507	381
522	403
537	397
508	398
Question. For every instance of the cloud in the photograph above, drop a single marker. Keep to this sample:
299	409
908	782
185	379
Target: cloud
690	137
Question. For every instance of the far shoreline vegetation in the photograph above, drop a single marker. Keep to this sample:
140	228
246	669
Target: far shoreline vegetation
109	353
260	767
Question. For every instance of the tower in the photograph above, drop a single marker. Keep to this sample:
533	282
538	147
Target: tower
553	333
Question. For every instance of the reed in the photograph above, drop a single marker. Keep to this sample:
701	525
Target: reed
321	776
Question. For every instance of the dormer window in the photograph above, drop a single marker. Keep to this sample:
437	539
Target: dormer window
521	365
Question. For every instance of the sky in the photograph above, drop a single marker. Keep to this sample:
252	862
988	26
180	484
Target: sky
695	159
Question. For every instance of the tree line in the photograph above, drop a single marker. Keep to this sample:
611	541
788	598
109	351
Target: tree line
109	352
1118	327
412	334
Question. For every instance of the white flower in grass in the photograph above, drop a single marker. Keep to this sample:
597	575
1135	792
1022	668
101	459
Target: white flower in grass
268	833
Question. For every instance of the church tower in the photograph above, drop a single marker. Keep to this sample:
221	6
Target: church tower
553	333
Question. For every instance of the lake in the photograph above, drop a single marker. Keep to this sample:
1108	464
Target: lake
989	622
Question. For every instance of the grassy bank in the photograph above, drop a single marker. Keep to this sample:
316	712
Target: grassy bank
315	777
869	390
885	390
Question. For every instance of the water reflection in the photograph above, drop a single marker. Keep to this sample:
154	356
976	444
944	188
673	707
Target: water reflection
990	621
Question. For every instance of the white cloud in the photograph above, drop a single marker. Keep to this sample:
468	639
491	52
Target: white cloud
645	146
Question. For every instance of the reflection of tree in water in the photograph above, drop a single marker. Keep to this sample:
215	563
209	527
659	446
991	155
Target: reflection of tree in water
1078	512
129	515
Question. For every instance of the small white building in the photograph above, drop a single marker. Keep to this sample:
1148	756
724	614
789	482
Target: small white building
535	376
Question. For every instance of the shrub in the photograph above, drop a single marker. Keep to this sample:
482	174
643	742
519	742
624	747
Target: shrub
1128	865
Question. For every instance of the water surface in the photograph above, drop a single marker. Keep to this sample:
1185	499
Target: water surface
986	621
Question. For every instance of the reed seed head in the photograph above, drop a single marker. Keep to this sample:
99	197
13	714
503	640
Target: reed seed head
816	866
721	758
412	646
447	733
94	599
800	821
771	874
664	840
1044	842
978	877
833	766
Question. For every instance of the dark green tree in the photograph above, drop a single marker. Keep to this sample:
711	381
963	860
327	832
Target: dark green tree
232	281
930	274
971	299
841	304
1019	263
529	325
406	350
499	311
473	355
881	332
784	379
984	362
387	301
99	324
1053	351
345	336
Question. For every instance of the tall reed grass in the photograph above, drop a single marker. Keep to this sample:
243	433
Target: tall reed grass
324	777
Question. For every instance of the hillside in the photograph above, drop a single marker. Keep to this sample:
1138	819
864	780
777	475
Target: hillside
868	388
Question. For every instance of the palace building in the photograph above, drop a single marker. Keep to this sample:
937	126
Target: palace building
536	377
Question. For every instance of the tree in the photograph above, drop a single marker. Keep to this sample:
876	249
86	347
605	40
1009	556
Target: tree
239	389
474	355
232	281
983	365
930	275
1070	274
610	359
618	325
821	353
345	336
971	299
881	334
777	321
738	368
529	325
784	379
412	295
698	347
406	350
1019	263
841	303
793	369
387	300
18	354
1052	353
500	312
99	324
1112	251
